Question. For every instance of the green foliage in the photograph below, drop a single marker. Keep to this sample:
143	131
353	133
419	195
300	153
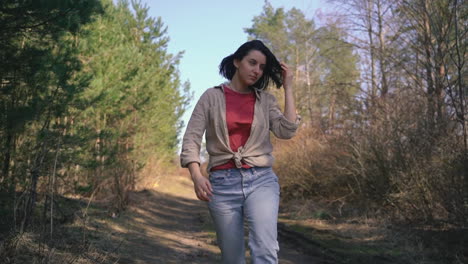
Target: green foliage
88	95
38	60
269	27
135	85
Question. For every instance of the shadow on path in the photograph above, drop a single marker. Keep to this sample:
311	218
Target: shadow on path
169	225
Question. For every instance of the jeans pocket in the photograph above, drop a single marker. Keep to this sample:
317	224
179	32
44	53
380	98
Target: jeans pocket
261	171
218	177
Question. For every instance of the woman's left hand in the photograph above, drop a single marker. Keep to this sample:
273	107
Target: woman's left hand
287	76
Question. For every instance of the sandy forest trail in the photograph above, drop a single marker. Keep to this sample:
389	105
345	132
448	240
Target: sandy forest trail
169	225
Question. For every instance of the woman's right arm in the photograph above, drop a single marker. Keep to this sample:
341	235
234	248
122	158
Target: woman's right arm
201	184
191	144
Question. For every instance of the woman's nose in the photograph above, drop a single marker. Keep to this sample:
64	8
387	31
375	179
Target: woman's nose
257	70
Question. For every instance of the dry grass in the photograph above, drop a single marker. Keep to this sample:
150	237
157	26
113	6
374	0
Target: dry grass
377	172
358	239
78	240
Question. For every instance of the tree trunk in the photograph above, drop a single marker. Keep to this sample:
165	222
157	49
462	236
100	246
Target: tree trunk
7	157
370	32
31	200
462	118
309	88
382	52
331	112
427	42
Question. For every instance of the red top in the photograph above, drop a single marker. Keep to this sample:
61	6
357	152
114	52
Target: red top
239	116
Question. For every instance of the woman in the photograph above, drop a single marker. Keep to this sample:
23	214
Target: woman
237	117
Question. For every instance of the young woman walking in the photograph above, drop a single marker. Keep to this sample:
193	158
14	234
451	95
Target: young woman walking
237	118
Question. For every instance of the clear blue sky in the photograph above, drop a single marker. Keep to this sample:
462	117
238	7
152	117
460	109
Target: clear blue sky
209	30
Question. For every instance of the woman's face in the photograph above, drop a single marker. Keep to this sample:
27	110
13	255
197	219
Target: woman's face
250	68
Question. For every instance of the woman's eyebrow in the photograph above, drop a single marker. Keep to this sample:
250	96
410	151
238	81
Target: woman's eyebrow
254	60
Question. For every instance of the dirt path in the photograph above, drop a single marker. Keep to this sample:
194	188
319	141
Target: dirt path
169	225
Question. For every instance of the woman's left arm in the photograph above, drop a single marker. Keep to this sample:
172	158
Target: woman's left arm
289	103
284	124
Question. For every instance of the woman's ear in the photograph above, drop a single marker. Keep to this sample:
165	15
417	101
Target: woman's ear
236	63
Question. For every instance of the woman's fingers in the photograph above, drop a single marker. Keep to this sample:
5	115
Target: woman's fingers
209	190
285	68
204	192
287	75
202	196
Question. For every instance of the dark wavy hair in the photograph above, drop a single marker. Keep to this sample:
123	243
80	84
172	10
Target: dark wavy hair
272	70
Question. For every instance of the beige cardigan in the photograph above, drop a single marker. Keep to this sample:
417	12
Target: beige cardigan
209	115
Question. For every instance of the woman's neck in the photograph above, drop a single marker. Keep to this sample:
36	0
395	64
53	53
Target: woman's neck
238	86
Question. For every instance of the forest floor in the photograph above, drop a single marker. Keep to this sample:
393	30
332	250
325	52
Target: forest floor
167	224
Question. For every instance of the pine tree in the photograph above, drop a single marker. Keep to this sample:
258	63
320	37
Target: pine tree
38	62
325	66
135	94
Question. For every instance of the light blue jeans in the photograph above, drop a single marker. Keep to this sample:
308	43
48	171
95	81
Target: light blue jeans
251	195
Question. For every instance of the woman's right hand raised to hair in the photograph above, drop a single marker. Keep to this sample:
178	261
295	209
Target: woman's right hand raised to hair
201	184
